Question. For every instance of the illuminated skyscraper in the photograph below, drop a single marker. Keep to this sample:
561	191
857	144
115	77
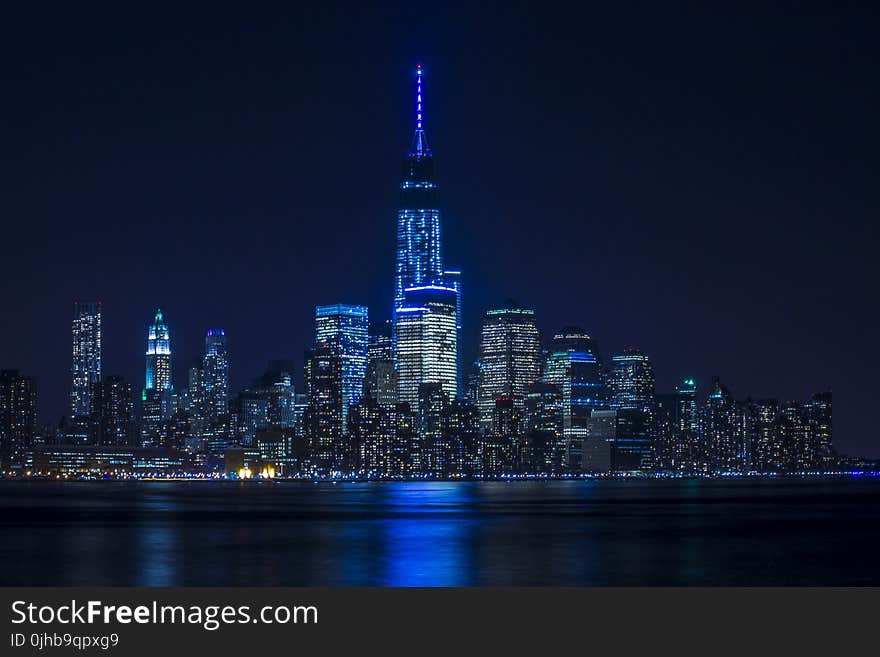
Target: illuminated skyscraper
215	375
631	381
322	421
427	342
156	407
111	412
453	279
510	358
724	445
818	414
344	330
86	365
573	364
419	260
418	219
18	416
675	429
158	355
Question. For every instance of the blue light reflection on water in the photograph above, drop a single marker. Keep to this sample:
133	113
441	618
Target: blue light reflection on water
429	540
765	532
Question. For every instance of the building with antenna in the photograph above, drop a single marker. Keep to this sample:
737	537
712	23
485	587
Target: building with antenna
419	261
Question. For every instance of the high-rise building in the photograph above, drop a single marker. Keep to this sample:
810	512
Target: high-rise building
111	412
86	364
215	374
675	429
381	345
723	443
344	330
427	342
452	278
574	365
322	421
793	435
419	259
18	417
510	358
818	415
419	262
627	442
544	439
631	381
158	355
767	452
156	402
380	383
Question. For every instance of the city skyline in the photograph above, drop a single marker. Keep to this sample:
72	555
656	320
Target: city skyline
267	309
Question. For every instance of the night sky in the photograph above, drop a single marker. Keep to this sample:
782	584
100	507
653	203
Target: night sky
701	183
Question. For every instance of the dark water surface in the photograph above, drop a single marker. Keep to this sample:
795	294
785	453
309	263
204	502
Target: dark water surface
651	532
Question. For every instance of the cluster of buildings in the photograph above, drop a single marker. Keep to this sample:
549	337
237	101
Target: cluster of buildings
390	398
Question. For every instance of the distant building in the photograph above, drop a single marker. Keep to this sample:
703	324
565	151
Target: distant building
344	331
419	260
510	358
768	455
545	444
384	439
574	366
322	421
18	417
86	364
452	278
725	445
99	460
110	413
158	355
427	343
676	429
215	374
817	411
380	382
628	434
631	381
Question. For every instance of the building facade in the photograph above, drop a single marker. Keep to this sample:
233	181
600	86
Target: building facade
86	364
510	358
344	330
427	342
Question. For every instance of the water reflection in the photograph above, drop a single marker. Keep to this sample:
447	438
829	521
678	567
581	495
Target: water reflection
441	534
428	542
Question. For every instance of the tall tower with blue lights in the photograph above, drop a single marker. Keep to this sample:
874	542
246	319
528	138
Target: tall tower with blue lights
419	260
419	253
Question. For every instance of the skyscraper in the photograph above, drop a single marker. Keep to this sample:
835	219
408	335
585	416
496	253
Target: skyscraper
452	278
111	412
158	355
724	445
86	365
344	330
215	375
419	260
510	358
631	381
322	421
427	342
419	247
18	416
156	398
573	364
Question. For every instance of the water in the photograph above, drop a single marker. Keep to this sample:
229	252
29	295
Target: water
646	532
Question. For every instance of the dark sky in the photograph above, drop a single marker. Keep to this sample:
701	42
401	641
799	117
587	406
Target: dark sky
698	182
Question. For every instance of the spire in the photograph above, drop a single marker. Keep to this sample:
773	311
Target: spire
418	96
420	143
